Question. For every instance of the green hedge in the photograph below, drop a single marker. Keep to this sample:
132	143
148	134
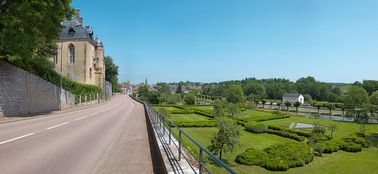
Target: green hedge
256	128
210	123
177	111
298	132
279	157
286	135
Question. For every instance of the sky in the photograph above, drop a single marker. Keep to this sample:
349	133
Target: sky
218	40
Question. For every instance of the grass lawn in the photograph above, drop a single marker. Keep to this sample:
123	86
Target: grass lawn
343	128
170	108
255	113
187	117
248	140
203	107
339	162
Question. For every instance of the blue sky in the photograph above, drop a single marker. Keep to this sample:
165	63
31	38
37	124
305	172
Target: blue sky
217	40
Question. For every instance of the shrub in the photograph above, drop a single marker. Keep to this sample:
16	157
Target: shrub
256	128
329	146
286	134
209	123
253	157
357	140
279	157
351	147
177	111
298	132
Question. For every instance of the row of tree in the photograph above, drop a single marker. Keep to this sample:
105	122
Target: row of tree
253	89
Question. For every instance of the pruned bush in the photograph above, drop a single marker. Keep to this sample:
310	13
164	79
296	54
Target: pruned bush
256	128
286	135
298	132
209	123
356	139
351	147
329	146
279	157
253	157
181	111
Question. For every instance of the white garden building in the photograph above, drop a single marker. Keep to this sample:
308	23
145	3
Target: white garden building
292	98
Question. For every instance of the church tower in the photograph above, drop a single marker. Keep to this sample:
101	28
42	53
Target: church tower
98	63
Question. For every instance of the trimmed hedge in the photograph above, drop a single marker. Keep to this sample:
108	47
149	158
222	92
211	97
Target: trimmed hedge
279	157
177	111
351	147
286	135
256	128
298	132
210	123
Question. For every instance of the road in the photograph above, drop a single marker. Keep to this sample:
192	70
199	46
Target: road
109	138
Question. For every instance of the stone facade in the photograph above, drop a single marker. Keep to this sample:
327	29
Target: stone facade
80	56
23	93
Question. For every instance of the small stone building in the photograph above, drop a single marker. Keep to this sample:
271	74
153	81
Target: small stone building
292	98
80	55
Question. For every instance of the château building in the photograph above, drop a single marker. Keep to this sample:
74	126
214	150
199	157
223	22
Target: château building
80	55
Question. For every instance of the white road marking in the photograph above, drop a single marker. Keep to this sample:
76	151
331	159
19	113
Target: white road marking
52	127
80	118
13	139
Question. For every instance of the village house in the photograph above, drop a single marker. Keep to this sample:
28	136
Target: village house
292	98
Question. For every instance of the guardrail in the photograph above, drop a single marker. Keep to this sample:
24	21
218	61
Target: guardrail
166	126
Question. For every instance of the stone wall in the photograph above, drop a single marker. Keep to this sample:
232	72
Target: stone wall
23	93
108	90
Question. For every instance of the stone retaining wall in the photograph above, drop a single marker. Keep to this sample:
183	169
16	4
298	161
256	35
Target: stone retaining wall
23	93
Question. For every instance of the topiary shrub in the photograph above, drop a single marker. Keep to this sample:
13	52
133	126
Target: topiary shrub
253	157
351	147
256	128
329	146
279	157
357	140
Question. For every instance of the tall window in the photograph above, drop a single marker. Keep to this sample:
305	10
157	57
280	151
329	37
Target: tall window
71	49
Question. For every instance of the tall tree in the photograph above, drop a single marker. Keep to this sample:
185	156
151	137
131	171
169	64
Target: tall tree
29	29
287	104
356	102
374	98
234	93
227	137
111	73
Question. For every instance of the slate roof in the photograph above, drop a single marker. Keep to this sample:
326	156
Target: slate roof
292	95
79	32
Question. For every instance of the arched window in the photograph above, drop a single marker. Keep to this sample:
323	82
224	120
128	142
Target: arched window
71	49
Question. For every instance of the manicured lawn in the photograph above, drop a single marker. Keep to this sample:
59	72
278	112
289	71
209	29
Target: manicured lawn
339	162
187	117
168	108
343	128
255	113
203	107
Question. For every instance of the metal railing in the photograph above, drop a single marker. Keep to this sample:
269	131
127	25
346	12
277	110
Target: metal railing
165	127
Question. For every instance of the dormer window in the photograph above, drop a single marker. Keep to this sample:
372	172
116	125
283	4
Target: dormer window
71	32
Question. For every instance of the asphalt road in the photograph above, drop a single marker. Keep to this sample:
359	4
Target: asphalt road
109	138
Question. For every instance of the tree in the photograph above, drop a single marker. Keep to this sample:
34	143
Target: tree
190	99
227	137
179	88
279	105
330	107
29	29
372	108
219	109
233	109
356	102
143	91
318	128
296	105
318	106
111	73
263	103
174	99
234	93
287	104
254	90
154	97
374	98
163	88
332	128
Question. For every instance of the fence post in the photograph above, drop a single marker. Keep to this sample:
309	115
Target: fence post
180	144
170	129
200	161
